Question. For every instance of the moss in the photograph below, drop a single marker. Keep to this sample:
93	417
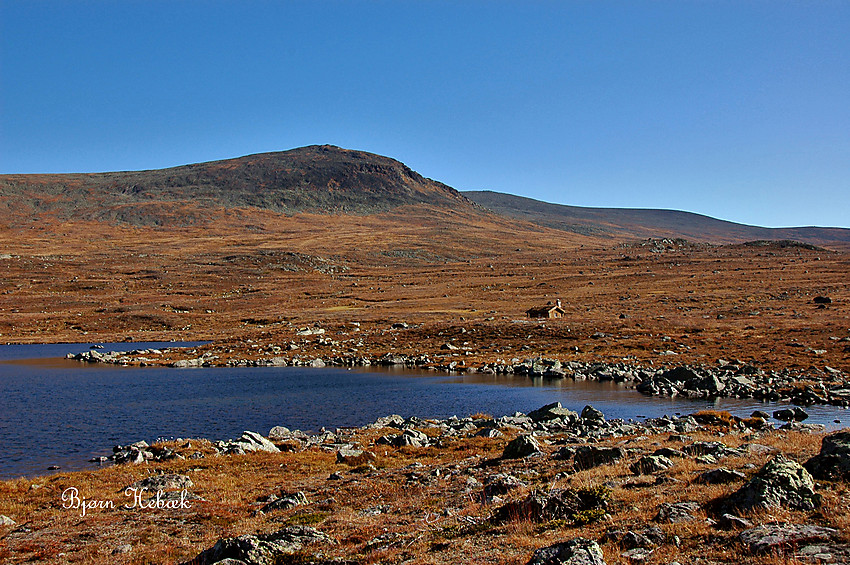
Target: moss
307	519
589	516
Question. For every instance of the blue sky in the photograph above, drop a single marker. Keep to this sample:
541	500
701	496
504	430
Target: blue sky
735	109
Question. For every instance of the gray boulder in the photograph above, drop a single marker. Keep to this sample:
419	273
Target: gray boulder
649	464
163	482
775	536
522	446
553	411
591	414
285	502
720	476
265	549
6	521
781	483
588	456
252	441
833	461
795	414
677	512
280	432
579	551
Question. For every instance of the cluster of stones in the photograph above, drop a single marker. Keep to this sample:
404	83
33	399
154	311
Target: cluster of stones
728	380
780	483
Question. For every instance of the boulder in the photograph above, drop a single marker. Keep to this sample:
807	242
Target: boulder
6	521
163	482
649	464
720	476
579	551
589	413
252	441
780	536
677	512
500	484
795	414
588	456
353	457
557	504
280	432
553	411
264	549
781	483
285	502
522	446
833	461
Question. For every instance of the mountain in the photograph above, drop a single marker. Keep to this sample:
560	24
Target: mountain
323	179
627	223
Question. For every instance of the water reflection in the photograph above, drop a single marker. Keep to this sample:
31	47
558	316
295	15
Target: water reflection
63	412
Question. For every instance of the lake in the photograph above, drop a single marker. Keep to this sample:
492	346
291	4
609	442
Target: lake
63	412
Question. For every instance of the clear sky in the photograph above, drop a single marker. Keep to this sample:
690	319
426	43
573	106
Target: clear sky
736	109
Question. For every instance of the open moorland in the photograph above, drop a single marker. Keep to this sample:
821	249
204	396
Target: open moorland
258	254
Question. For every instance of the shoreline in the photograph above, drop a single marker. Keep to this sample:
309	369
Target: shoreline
506	486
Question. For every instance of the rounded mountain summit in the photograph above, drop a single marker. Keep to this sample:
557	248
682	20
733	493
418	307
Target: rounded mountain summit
317	178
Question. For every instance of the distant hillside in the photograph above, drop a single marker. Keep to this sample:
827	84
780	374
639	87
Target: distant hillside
324	179
638	223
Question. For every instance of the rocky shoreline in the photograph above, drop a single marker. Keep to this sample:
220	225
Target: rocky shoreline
552	486
577	442
726	379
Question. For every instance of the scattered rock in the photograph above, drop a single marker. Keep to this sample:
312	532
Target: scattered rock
729	521
280	432
162	482
354	457
248	441
833	461
781	483
649	464
553	411
795	414
677	512
720	476
522	446
264	549
579	551
775	536
588	456
285	501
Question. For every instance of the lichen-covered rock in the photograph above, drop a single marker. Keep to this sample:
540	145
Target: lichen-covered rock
773	536
833	461
781	483
266	549
163	482
649	464
677	512
581	506
579	551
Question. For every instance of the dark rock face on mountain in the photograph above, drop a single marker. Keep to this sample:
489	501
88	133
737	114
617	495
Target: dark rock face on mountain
320	179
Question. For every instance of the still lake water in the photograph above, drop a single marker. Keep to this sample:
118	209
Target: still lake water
55	411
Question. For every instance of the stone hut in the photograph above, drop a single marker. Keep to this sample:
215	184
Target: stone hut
548	311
